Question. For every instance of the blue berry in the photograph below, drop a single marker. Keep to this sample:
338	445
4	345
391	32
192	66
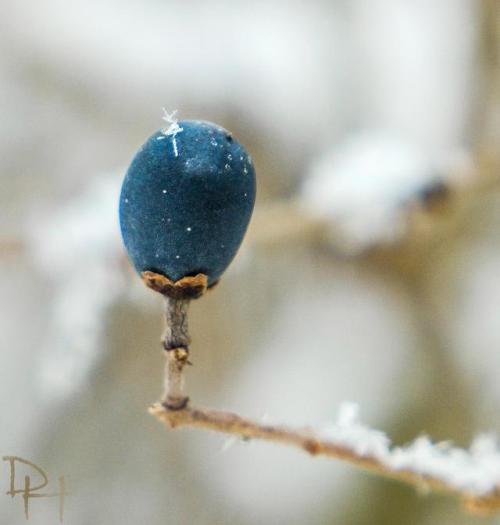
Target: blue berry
186	201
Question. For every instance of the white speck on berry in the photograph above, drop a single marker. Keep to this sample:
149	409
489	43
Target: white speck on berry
188	229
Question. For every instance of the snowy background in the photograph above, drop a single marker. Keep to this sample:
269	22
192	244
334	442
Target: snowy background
371	271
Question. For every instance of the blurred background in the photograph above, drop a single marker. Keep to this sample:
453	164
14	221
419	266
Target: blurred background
370	273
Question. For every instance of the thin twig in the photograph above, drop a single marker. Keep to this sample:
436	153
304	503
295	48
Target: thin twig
472	475
351	441
313	443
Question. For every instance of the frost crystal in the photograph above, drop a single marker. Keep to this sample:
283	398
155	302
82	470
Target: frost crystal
173	128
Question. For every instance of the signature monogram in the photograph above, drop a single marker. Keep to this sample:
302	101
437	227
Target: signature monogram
28	490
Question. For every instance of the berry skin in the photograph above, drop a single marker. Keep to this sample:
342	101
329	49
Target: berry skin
186	201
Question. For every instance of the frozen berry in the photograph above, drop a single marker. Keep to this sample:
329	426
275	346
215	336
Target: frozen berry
186	201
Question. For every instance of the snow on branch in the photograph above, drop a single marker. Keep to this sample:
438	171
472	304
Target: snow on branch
472	474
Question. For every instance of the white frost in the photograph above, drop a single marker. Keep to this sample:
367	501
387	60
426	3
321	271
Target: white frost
173	128
475	470
77	247
365	186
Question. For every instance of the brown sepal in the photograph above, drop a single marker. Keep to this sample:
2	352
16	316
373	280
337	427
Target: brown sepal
185	288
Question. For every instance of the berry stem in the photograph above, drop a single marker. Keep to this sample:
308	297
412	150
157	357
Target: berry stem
176	344
176	338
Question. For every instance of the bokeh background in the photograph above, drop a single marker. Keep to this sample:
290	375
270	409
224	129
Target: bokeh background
370	273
